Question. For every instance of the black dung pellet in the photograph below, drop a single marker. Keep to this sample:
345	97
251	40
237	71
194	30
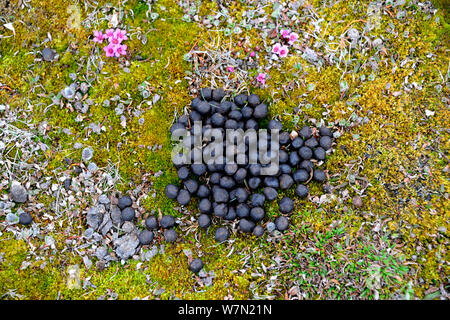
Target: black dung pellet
257	214
242	210
167	222
222	234
246	225
151	222
319	175
270	193
171	191
282	223
258	200
204	221
183	197
25	218
145	237
258	231
204	206
302	191
170	235
196	265
286	205
128	214
305	153
124	201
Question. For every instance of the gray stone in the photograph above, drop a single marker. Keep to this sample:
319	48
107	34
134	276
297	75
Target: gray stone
116	215
103	199
18	192
106	224
128	227
48	54
12	218
271	227
101	252
126	246
87	154
68	93
94	217
88	233
92	167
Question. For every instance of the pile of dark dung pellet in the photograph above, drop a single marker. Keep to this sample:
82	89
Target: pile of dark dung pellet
236	190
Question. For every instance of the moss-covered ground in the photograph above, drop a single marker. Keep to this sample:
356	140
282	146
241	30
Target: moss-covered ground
394	245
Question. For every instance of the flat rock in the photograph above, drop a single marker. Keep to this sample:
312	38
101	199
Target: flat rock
94	217
126	246
18	193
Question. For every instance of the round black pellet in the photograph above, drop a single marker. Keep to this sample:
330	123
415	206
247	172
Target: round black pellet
242	210
282	223
305	132
257	214
260	111
294	159
311	143
183	197
196	265
128	214
170	235
171	191
25	218
220	210
257	200
297	143
191	186
258	231
319	175
151	222
254	182
305	153
145	237
301	175
270	193
124	201
271	182
206	93
240	100
319	153
183	173
198	169
253	100
204	221
286	181
167	222
286	205
246	225
221	234
204	206
325	142
302	191
218	94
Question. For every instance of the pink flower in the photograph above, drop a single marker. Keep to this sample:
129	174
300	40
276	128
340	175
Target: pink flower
283	52
276	48
230	69
120	34
293	37
109	33
285	33
115	41
98	36
121	49
261	78
110	50
252	54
